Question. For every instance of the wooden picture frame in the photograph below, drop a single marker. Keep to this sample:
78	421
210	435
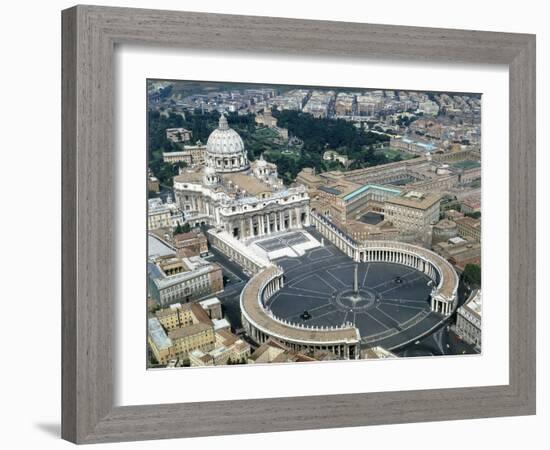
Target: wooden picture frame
90	34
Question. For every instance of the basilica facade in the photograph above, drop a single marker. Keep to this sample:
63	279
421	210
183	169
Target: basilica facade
246	199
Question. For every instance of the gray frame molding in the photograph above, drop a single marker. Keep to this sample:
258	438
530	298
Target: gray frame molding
89	36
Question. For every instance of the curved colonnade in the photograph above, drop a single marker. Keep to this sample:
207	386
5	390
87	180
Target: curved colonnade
260	323
344	341
440	271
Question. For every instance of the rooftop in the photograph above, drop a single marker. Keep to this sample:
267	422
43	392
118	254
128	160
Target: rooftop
445	224
189	176
226	337
240	247
220	324
377	353
367	187
188	330
157	334
248	183
178	153
330	190
469	221
193	267
457	240
199	354
157	247
198	312
473	303
187	236
417	200
210	302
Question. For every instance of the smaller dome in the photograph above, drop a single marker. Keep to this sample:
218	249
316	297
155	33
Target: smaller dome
209	175
445	223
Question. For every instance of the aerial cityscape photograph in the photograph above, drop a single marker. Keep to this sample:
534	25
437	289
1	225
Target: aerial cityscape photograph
311	223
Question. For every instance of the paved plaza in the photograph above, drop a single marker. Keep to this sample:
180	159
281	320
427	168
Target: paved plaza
390	306
280	242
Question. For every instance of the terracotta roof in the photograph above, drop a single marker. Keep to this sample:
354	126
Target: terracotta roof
189	330
170	310
228	337
187	236
197	310
200	314
285	355
189	176
423	202
248	183
469	221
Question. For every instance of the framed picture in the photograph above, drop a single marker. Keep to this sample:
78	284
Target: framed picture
293	224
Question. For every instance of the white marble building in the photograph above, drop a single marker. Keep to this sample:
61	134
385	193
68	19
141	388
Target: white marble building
245	199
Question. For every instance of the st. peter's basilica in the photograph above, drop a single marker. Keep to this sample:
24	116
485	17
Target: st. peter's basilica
229	192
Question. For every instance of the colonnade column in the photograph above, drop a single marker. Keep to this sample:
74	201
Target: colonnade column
242	229
262	225
290	221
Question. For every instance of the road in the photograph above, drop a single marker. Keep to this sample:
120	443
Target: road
442	342
235	280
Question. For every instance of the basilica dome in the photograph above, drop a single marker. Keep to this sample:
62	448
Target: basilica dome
225	149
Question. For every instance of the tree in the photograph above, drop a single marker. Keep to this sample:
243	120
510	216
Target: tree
185	228
473	215
180	165
397	158
472	275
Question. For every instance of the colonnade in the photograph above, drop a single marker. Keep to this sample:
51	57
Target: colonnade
399	257
345	243
230	250
271	285
394	252
345	351
440	305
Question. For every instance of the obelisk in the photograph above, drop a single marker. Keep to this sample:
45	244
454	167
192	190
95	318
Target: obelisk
355	283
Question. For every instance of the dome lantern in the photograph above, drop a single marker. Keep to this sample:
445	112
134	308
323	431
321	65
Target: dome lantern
222	124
